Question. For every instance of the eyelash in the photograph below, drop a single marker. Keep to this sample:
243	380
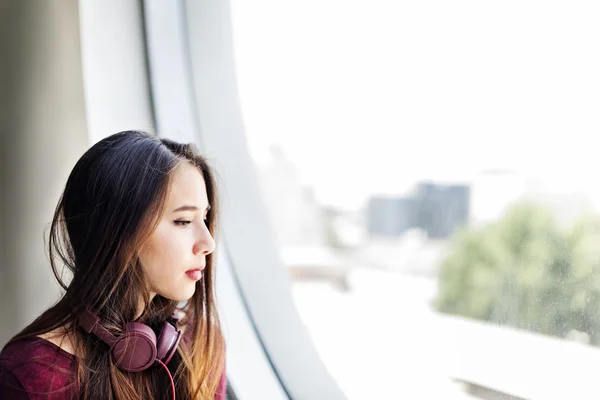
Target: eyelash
185	223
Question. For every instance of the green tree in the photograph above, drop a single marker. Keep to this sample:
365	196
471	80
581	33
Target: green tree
524	272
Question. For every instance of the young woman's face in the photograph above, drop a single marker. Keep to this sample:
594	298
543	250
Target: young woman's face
175	255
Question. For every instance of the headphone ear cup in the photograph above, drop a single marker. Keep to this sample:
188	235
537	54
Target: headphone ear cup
167	343
135	349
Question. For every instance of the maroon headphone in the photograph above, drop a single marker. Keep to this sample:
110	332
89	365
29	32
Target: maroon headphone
137	348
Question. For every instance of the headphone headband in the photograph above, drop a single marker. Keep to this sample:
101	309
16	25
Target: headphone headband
91	324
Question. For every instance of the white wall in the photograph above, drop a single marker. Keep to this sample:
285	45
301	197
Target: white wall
43	134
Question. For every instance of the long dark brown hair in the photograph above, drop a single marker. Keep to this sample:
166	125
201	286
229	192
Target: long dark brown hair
112	202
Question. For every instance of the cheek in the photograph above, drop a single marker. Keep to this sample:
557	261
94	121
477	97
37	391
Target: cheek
164	253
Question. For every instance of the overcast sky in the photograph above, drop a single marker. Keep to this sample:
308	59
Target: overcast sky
370	96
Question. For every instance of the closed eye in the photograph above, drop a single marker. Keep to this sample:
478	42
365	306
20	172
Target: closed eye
182	223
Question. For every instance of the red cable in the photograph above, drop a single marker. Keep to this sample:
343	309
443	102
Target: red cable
170	378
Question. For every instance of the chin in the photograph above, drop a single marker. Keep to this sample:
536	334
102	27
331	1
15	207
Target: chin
182	295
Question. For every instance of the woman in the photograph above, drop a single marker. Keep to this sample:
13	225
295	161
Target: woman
134	228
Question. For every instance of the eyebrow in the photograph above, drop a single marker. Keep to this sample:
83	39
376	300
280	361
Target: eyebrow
190	208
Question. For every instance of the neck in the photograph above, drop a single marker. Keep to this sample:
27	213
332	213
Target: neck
142	304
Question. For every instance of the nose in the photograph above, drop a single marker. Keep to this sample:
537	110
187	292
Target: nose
205	243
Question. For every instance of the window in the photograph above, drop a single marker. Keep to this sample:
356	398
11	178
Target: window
429	173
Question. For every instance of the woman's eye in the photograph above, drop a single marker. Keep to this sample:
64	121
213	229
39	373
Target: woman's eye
182	223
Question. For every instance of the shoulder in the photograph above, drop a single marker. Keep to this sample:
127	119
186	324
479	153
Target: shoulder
59	339
31	368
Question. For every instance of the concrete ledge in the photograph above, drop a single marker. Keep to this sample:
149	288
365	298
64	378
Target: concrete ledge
520	365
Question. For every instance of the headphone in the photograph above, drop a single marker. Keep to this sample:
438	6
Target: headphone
137	348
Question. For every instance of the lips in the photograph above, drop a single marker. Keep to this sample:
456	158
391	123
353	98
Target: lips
195	273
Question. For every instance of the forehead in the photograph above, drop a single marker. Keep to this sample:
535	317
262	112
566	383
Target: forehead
187	187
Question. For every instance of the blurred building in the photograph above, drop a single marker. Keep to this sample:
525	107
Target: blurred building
389	216
440	209
436	209
296	216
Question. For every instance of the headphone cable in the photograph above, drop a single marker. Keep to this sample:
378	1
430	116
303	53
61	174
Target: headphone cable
170	378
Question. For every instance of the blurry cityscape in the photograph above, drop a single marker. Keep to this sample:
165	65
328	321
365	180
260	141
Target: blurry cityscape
386	256
408	232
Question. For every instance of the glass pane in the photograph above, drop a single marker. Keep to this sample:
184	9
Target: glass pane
429	169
